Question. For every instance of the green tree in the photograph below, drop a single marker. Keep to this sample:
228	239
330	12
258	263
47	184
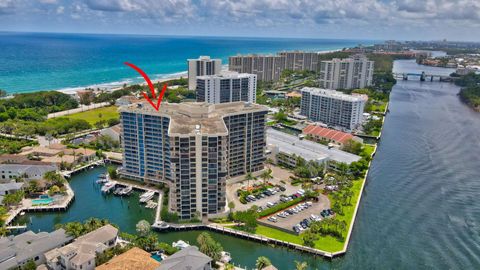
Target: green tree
249	177
143	228
309	238
209	246
112	172
301	265
266	175
262	262
30	265
53	190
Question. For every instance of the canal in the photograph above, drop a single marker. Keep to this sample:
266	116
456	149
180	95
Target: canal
420	207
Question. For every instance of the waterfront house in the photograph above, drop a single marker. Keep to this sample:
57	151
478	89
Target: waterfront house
9	172
16	251
113	132
133	259
82	252
187	258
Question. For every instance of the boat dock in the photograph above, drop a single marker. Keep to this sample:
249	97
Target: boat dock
68	174
28	207
248	236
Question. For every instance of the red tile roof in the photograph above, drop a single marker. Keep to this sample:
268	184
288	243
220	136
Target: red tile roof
327	133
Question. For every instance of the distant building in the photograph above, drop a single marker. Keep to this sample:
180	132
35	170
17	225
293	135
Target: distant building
126	100
270	67
349	73
227	87
16	251
266	67
462	71
284	149
133	259
10	172
188	258
202	66
300	60
81	254
114	132
332	107
193	147
275	94
328	135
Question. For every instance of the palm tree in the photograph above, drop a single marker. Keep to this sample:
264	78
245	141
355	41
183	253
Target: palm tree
262	262
266	176
249	177
301	265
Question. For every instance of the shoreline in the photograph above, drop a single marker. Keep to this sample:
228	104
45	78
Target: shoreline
157	78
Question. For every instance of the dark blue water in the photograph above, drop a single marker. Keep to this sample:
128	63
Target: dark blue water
32	61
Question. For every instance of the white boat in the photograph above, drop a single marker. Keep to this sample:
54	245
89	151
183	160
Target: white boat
101	181
127	190
180	244
226	257
147	196
108	186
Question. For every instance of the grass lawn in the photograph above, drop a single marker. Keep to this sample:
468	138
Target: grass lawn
368	149
92	116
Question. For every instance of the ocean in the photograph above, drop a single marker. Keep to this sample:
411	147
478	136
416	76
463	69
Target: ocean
50	61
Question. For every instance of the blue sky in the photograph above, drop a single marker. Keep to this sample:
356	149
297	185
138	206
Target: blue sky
356	19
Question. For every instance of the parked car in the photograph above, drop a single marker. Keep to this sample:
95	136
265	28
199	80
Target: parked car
282	188
270	204
272	219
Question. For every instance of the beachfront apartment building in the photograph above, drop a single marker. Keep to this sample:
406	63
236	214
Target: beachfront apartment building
227	87
193	147
266	67
204	65
333	108
270	67
349	73
300	60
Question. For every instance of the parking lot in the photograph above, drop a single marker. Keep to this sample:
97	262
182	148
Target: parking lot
287	223
278	174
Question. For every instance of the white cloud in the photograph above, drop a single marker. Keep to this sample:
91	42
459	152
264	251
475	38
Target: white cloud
60	9
6	6
50	2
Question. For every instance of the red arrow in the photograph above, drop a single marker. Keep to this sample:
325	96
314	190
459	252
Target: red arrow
150	85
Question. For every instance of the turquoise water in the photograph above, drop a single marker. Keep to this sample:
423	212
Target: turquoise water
34	61
42	201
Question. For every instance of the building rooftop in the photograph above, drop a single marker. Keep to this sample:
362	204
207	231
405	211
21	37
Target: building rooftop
328	133
10	186
188	258
133	259
27	245
204	57
190	118
227	75
307	149
334	94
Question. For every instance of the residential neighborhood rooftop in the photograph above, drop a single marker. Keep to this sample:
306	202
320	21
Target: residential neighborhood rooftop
307	149
331	134
133	259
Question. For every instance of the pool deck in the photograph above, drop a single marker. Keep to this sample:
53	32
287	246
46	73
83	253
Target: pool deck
26	206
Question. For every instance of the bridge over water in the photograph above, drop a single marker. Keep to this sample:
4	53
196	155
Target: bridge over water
423	76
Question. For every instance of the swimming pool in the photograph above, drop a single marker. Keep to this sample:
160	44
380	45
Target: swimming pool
42	201
156	257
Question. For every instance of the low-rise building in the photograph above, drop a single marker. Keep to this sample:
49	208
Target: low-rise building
284	149
322	134
114	132
188	258
10	172
127	100
133	259
82	252
16	251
